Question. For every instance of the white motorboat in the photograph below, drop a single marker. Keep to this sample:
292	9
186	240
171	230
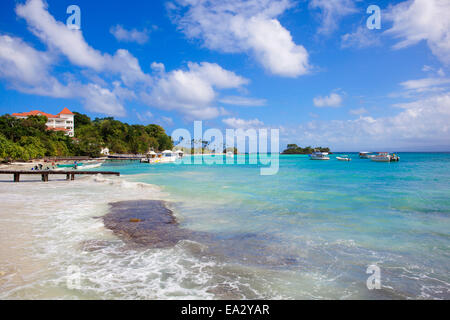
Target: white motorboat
151	155
319	156
365	155
385	157
344	158
166	156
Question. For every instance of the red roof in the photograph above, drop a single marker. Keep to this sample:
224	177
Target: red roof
66	111
40	113
34	113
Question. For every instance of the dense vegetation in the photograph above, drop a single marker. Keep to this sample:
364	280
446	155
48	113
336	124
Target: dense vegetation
25	139
294	149
119	137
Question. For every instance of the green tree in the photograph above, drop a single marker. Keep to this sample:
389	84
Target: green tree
33	146
81	120
30	138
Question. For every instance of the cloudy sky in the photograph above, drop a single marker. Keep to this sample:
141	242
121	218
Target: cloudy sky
311	68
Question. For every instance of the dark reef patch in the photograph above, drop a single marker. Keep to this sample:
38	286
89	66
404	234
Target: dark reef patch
145	222
150	224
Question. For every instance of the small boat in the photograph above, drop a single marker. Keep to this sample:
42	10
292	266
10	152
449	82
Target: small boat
81	165
151	155
71	165
166	156
344	158
385	157
319	156
365	155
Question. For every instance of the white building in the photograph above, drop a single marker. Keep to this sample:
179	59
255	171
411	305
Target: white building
64	121
104	151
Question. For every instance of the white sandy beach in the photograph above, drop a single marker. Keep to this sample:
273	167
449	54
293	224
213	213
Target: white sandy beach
44	225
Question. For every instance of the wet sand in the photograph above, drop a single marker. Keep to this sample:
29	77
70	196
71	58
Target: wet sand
17	264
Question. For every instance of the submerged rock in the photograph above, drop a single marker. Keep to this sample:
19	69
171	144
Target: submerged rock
156	227
150	224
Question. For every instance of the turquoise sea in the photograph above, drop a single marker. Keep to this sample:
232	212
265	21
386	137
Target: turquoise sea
313	229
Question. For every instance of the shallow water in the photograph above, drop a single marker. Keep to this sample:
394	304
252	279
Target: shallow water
308	232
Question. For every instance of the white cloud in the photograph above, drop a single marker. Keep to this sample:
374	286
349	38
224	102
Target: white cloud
27	69
439	72
125	64
331	12
101	100
192	91
358	111
333	100
424	122
56	34
72	44
237	123
146	116
133	35
22	64
216	75
425	84
243	101
244	26
158	67
106	81
422	20
167	120
361	38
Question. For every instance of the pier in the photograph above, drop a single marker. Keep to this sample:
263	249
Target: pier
70	175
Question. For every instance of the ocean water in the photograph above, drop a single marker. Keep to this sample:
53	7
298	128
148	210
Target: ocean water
309	232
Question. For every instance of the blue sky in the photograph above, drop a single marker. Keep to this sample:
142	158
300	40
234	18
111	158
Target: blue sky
311	69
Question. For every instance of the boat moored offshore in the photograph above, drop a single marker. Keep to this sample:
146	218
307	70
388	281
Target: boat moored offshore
344	158
365	155
385	157
166	156
319	156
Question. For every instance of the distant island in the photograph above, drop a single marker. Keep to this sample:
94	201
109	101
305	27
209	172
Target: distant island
295	149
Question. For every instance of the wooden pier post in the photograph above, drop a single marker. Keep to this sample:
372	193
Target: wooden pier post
70	175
